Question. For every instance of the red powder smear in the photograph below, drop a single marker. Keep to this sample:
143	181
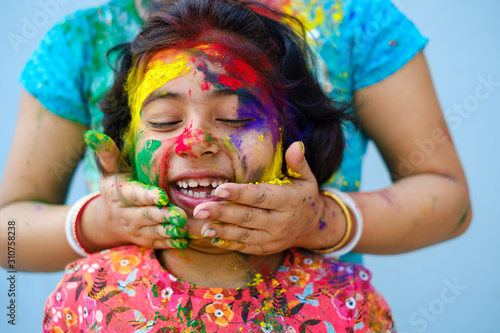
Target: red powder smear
234	68
230	82
186	140
241	69
189	92
161	163
204	86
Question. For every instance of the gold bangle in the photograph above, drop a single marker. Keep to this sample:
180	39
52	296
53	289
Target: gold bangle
347	214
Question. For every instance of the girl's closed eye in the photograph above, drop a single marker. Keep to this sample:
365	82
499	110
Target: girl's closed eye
236	122
163	125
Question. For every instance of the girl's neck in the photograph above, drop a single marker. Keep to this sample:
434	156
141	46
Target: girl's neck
230	270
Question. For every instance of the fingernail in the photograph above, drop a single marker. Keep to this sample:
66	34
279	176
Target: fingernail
202	214
177	221
222	193
209	233
162	198
176	232
302	147
176	211
179	243
97	141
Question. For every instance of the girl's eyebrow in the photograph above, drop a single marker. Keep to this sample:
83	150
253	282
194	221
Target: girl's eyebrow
176	96
159	94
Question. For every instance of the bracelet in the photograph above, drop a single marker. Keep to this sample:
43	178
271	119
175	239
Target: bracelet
347	234
73	220
356	211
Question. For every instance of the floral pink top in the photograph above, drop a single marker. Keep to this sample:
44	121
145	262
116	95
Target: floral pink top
127	290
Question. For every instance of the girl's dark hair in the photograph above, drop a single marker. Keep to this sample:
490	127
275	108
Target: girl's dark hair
253	32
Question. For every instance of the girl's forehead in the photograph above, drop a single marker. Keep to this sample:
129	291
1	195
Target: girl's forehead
217	62
221	69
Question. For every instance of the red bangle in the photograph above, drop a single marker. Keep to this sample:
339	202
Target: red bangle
77	221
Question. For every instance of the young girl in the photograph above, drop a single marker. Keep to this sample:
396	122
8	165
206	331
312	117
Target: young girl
213	91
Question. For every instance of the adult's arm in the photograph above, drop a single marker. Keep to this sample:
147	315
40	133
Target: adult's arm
44	154
429	201
427	204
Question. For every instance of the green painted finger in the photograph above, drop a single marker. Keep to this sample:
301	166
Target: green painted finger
162	197
180	243
173	231
179	219
98	141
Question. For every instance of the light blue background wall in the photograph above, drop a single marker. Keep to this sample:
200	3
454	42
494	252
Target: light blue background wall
464	47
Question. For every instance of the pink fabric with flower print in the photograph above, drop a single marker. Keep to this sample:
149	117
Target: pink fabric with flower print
127	290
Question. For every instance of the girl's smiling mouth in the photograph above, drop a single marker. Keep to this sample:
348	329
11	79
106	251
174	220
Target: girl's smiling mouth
190	189
200	188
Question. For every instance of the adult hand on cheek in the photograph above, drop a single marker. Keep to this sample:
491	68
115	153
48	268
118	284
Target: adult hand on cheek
266	218
128	211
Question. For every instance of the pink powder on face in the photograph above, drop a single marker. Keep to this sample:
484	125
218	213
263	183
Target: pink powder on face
193	138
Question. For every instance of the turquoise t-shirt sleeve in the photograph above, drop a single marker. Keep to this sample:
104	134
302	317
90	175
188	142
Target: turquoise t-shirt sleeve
384	40
55	72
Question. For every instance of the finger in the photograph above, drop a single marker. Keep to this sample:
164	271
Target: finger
256	249
105	148
234	233
178	243
234	213
134	193
160	231
263	195
297	166
170	215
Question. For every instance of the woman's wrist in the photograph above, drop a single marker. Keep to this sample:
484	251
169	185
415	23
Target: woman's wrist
92	227
354	220
330	227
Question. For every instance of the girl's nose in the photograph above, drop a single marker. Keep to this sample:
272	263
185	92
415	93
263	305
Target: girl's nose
196	143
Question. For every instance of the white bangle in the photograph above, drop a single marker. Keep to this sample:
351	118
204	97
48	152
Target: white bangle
358	219
72	220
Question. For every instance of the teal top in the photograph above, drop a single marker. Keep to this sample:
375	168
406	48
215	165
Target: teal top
356	42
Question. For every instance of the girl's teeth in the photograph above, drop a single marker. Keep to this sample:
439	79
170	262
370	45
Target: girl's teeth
196	194
205	182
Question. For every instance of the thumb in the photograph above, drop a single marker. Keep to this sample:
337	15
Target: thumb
297	166
105	148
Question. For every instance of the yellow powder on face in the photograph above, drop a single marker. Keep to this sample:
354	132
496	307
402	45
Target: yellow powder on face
139	86
274	170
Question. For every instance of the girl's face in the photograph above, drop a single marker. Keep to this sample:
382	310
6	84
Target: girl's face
201	123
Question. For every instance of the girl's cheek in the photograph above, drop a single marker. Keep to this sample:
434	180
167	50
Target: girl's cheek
145	162
252	150
151	162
